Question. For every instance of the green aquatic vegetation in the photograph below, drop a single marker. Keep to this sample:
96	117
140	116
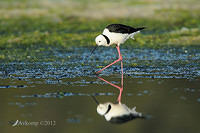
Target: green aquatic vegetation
31	34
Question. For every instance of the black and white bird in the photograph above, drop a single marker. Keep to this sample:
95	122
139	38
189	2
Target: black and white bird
116	34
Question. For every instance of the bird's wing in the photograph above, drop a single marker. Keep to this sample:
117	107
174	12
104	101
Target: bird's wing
120	28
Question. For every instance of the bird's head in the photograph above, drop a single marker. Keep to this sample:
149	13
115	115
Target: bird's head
101	40
103	109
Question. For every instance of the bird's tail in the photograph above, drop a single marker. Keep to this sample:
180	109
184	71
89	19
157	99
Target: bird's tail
141	28
137	31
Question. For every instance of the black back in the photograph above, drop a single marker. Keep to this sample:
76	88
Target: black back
124	29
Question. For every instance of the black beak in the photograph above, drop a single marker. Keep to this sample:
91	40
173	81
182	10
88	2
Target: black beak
94	98
94	49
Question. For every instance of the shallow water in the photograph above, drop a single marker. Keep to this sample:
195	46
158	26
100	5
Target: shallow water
162	84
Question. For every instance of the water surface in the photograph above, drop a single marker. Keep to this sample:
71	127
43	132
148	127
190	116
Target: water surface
162	84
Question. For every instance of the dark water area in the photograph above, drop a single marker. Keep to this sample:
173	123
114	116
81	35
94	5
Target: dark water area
55	96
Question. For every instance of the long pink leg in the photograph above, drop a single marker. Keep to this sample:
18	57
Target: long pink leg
116	86
120	58
122	82
110	83
120	88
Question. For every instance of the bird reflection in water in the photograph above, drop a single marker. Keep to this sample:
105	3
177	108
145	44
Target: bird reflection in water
116	112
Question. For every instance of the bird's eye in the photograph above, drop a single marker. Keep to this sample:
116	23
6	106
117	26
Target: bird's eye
99	41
